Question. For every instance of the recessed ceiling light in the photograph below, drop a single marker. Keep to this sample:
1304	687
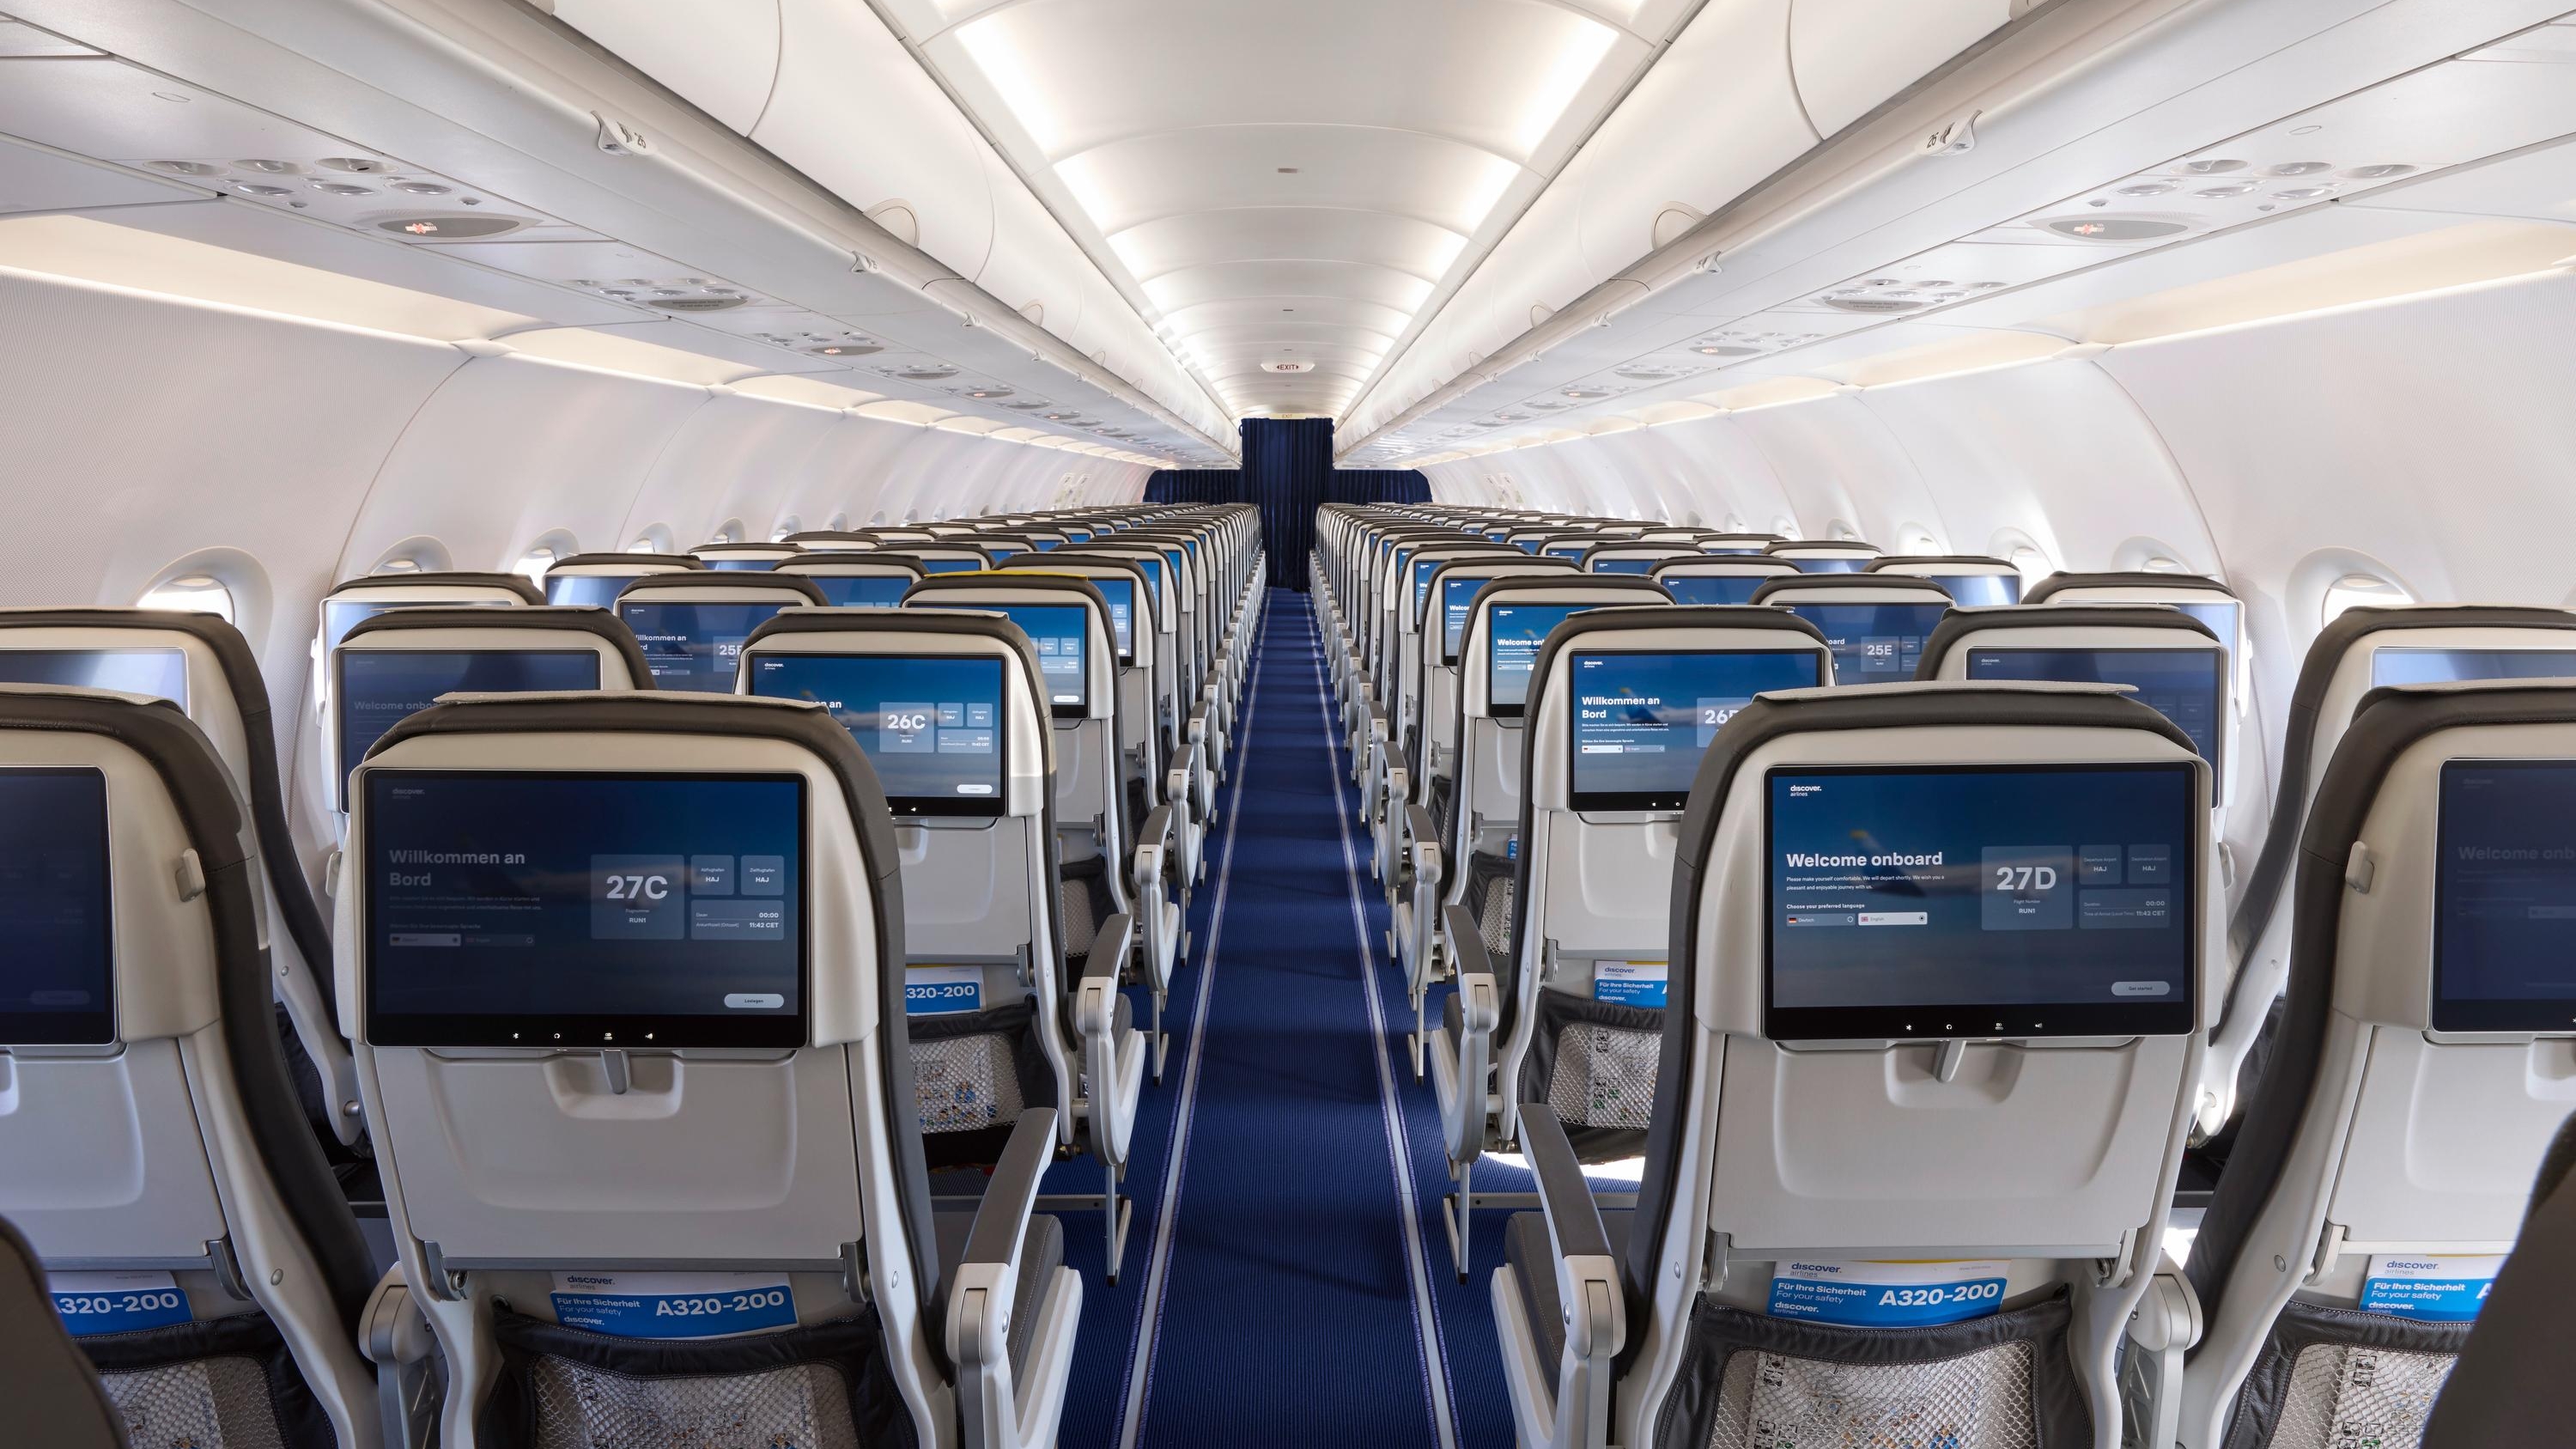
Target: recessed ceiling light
2304	193
357	164
188	168
2146	188
2225	189
270	168
255	188
2300	168
2212	166
342	188
2377	173
421	188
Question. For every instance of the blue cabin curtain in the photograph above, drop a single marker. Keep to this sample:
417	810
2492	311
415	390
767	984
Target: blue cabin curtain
1288	473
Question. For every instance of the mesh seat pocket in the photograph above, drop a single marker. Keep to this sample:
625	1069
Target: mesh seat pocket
1594	1063
822	1386
216	1383
974	1072
1750	1381
2332	1376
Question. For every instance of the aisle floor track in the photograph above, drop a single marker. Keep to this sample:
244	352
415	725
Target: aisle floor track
1281	1285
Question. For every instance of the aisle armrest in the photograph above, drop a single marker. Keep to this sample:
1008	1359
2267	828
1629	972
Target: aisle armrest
1587	1279
994	1412
1155	859
1460	1077
1113	1060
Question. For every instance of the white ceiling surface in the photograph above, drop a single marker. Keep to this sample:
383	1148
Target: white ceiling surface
293	133
2254	136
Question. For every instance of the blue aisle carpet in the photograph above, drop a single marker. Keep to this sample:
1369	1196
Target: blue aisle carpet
1281	1299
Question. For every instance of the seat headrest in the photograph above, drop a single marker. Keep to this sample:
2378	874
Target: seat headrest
1785	589
518	584
665	560
2041	592
1960	623
757	580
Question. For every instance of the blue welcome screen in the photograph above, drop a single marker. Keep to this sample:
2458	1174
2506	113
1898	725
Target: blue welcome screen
2184	685
1642	721
509	908
1979	900
1713	588
1515	633
694	646
931	727
1873	643
2504	897
160	673
379	688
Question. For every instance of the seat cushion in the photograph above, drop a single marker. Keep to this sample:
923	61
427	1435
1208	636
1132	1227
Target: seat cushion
1041	1253
1531	1258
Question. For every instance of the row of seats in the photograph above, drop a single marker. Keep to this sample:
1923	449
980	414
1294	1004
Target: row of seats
709	979
1888	921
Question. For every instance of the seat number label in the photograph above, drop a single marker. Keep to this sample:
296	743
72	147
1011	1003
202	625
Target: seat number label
1887	1294
1629	983
942	990
96	1303
2431	1290
673	1305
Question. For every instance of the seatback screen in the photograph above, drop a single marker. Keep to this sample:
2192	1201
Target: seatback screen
341	615
1058	632
1642	563
861	591
1839	563
1980	590
599	591
1121	594
160	673
1423	569
2441	666
57	977
1514	633
1873	643
2218	616
1713	588
693	645
1979	900
2184	685
932	727
1457	601
1574	550
2504	897
510	908
734	563
950	565
379	688
1641	722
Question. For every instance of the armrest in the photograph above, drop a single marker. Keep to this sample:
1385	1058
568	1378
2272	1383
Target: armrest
395	1336
1587	1280
1573	1218
1467	951
986	1284
1153	843
1423	844
1114	1066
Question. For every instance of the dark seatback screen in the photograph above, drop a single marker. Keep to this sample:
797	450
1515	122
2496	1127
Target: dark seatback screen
2441	666
932	727
1121	594
1514	633
1641	563
734	563
1640	722
1059	632
860	591
160	673
379	688
342	614
1873	643
1839	563
1980	590
695	646
599	591
1712	588
57	975
2504	897
2187	686
1979	900
511	908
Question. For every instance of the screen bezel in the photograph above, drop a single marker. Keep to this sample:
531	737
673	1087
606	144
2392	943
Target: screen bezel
2446	1015
1609	800
1123	653
2143	1017
340	695
991	807
595	1030
2219	669
89	1028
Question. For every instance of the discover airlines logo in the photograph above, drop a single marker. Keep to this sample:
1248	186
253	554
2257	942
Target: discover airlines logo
1797	790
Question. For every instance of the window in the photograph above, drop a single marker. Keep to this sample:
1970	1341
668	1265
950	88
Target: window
2032	564
534	563
398	566
2355	590
2159	564
1841	532
1786	527
732	532
785	527
1915	538
645	543
193	593
838	523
